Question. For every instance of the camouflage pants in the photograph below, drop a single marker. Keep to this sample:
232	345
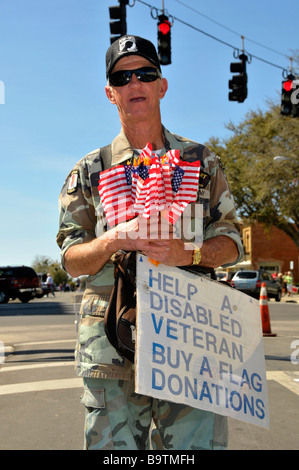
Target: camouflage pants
118	418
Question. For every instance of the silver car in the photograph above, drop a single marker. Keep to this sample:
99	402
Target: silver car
250	283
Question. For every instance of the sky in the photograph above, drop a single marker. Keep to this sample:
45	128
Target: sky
53	106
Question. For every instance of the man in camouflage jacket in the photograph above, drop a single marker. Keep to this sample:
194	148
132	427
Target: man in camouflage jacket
116	417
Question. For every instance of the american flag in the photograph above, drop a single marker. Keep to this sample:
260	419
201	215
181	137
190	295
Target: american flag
147	151
177	178
139	175
140	168
166	170
142	188
172	156
143	171
115	193
148	187
187	190
128	172
156	199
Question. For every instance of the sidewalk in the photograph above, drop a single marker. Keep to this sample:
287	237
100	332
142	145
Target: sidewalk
76	297
294	298
64	297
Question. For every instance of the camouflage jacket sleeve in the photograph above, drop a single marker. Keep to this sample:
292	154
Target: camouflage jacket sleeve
221	217
219	212
81	220
80	210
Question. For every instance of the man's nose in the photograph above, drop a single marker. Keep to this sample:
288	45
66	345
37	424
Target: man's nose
134	80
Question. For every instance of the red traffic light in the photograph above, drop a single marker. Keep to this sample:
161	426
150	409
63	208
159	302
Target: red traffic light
164	27
164	40
288	85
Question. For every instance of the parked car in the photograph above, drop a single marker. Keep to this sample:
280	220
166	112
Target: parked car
19	282
250	283
223	276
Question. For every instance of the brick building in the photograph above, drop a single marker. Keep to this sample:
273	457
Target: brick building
269	249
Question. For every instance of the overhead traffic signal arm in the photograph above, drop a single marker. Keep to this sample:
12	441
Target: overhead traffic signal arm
238	83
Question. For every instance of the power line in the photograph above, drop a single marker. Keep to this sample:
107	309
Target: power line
230	30
236	49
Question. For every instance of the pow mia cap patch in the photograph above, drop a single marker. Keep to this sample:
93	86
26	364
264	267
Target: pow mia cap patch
73	182
130	45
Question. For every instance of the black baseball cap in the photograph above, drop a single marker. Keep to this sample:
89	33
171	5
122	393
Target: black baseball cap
130	45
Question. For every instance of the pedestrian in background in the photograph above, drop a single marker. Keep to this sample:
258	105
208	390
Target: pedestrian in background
50	283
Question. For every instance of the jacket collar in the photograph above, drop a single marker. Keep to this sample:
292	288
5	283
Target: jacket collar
122	151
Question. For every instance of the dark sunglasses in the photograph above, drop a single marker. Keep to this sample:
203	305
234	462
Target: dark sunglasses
144	74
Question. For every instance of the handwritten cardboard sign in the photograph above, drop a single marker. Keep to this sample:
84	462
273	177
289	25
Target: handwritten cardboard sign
200	343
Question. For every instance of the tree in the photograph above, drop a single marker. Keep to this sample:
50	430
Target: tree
41	264
44	265
59	275
264	189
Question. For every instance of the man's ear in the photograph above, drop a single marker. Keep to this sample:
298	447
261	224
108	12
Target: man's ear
110	94
163	87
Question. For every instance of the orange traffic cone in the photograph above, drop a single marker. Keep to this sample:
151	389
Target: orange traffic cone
265	311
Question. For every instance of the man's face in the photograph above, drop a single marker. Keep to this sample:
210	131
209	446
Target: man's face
136	100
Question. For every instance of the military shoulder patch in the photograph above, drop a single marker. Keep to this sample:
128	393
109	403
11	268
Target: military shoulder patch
73	182
204	179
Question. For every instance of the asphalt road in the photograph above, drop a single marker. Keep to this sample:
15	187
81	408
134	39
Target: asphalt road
40	405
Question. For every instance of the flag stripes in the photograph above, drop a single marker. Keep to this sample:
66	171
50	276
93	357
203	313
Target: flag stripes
148	186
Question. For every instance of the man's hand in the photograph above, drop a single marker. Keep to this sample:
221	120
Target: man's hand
160	242
155	238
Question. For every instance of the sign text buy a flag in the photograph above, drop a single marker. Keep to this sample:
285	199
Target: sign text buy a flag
199	343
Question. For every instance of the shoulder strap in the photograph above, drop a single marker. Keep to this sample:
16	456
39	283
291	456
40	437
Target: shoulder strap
106	156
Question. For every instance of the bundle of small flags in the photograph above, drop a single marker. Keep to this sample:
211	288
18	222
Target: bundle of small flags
148	186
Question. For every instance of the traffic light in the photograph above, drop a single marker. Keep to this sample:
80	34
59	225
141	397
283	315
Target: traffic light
286	92
238	83
118	28
164	40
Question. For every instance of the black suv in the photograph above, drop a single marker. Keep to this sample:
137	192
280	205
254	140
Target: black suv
19	282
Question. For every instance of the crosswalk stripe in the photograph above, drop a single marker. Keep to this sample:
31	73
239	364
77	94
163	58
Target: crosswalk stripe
58	384
284	379
36	366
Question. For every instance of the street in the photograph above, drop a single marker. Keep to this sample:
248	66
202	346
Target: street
40	405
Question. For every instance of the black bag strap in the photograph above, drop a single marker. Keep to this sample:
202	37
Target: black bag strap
106	156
